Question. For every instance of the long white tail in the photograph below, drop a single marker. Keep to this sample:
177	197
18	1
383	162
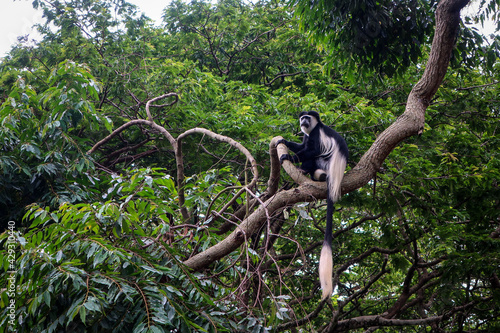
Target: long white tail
326	270
335	174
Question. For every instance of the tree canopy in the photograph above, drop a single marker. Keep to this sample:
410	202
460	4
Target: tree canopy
141	189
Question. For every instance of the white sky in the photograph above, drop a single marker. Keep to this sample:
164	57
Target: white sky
18	16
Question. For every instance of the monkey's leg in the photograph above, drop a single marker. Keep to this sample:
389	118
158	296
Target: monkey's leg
319	175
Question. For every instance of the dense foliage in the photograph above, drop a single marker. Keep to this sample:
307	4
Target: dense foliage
382	38
100	231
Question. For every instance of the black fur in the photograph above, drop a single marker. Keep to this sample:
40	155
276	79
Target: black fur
330	156
309	151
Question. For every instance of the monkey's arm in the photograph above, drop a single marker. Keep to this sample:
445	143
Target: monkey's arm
308	150
295	147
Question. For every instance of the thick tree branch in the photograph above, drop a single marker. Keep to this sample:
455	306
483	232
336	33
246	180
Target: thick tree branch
410	123
274	176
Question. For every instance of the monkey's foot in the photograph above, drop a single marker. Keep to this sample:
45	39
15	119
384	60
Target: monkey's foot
320	175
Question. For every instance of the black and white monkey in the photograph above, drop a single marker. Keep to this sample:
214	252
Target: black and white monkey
323	154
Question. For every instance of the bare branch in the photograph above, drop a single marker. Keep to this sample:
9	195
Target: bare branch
148	103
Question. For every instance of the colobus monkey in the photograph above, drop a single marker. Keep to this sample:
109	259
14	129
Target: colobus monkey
323	149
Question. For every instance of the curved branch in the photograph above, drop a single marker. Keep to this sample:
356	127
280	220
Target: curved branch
222	138
150	122
148	103
230	141
118	131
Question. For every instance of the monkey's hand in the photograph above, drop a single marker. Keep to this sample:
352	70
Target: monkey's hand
283	141
288	157
285	157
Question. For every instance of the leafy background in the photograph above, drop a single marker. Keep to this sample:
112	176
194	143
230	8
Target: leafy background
101	240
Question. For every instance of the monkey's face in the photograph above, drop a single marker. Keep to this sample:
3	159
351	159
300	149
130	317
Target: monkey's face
307	123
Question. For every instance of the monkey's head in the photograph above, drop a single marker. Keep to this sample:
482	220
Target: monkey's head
308	121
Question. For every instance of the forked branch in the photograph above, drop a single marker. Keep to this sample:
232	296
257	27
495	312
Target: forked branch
177	147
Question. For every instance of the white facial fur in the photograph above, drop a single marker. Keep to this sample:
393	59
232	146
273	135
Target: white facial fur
307	124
